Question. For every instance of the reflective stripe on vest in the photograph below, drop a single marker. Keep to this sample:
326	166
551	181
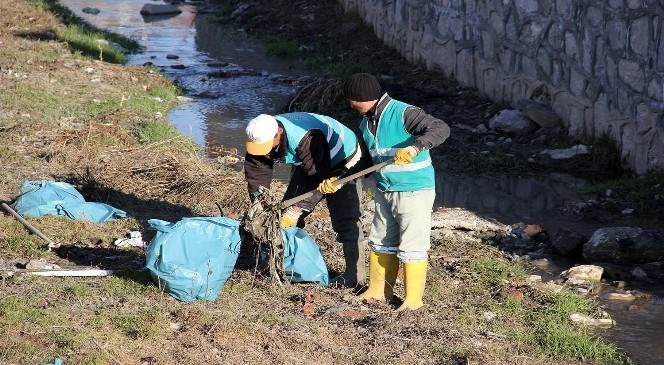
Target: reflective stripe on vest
390	137
341	140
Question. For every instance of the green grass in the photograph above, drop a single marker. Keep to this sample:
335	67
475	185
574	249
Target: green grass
494	273
156	100
539	319
90	44
52	107
147	323
85	39
547	326
121	287
155	131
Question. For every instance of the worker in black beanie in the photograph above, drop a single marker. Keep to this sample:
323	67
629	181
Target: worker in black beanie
404	191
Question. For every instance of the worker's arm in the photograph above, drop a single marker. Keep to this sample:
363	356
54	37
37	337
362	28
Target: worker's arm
430	131
258	171
314	152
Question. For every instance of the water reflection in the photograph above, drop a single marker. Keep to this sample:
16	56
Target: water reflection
512	199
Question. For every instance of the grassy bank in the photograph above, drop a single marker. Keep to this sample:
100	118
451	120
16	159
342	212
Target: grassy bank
100	126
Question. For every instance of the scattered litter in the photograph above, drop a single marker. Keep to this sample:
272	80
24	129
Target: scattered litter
56	361
59	272
133	239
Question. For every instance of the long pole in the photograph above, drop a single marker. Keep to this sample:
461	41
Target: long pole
291	201
29	226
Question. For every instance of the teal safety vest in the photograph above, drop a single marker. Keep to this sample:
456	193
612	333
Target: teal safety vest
390	137
341	140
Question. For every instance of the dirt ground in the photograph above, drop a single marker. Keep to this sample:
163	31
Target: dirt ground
76	120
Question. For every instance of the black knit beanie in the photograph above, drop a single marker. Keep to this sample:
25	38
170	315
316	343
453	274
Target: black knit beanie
362	87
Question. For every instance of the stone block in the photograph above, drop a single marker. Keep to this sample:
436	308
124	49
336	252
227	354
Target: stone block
587	49
632	74
595	16
465	68
544	63
444	56
634	4
660	50
529	67
656	89
616	30
571	47
497	24
564	7
530	33
639	35
488	44
526	7
577	82
556	36
490	82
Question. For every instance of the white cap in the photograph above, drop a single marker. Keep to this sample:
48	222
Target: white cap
260	134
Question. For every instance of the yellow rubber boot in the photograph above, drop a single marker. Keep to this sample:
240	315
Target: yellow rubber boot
383	269
414	277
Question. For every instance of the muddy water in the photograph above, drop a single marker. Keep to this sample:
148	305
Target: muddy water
258	84
226	74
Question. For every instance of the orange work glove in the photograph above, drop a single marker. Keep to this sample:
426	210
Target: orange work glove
405	155
328	186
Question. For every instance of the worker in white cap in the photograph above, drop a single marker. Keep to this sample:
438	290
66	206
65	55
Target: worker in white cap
320	149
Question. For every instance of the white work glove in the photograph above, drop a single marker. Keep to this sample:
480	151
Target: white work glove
405	155
290	216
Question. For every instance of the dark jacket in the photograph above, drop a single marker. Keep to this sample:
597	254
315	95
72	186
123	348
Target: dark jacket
314	152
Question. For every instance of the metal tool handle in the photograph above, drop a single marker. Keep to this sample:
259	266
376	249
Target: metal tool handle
291	201
29	226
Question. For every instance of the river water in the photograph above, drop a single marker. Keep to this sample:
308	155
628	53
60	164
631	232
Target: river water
222	106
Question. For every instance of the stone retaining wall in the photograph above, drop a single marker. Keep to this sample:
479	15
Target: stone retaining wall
599	64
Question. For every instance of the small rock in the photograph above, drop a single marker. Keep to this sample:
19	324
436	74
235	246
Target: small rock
582	291
489	316
619	296
541	263
639	273
40	264
592	273
590	321
531	279
172	57
91	11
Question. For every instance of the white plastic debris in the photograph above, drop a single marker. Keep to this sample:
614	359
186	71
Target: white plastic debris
134	239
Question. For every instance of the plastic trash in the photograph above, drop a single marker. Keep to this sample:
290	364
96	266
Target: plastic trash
56	361
39	198
303	261
193	258
133	239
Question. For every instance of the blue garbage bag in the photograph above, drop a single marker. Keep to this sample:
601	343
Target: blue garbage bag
193	258
39	198
303	260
